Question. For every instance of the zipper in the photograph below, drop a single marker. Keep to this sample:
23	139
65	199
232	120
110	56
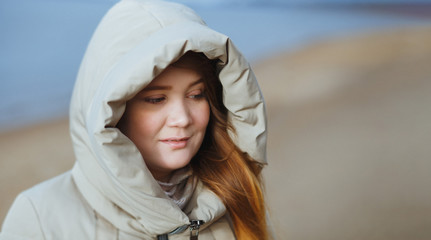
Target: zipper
194	228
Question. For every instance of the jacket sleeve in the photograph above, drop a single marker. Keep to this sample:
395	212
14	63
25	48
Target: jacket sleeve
22	221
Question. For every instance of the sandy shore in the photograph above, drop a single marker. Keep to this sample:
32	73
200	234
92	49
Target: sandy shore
350	130
32	155
350	134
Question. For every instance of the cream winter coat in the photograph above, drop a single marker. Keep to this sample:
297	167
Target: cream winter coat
109	193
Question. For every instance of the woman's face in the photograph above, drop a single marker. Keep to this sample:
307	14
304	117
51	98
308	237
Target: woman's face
167	120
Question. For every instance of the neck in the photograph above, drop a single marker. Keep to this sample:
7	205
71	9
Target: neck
161	176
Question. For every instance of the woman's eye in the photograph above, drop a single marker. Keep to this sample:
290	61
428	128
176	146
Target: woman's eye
154	100
197	96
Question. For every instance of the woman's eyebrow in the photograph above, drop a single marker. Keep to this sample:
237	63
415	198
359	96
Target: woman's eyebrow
157	87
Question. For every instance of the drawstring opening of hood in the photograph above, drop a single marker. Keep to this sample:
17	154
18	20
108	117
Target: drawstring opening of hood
125	53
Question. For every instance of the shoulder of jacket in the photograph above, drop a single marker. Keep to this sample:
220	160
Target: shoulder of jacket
55	205
22	221
60	186
222	228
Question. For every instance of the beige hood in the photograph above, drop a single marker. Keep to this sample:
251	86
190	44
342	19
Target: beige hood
135	41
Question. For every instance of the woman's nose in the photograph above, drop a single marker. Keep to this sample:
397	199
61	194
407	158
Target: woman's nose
179	115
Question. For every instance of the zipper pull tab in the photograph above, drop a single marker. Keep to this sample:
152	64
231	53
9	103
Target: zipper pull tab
194	228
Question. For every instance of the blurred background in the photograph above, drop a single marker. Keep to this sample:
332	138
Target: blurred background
347	86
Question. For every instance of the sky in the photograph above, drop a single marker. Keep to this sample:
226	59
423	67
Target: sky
42	42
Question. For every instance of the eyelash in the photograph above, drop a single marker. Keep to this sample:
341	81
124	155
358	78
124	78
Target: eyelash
154	100
161	99
198	96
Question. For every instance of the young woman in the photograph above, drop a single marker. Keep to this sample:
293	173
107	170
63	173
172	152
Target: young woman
169	132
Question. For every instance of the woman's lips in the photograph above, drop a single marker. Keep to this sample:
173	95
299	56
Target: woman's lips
176	143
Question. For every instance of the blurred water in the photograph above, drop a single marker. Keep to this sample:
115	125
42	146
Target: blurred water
42	43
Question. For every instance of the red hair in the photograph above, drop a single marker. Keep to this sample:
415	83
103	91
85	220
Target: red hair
229	172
